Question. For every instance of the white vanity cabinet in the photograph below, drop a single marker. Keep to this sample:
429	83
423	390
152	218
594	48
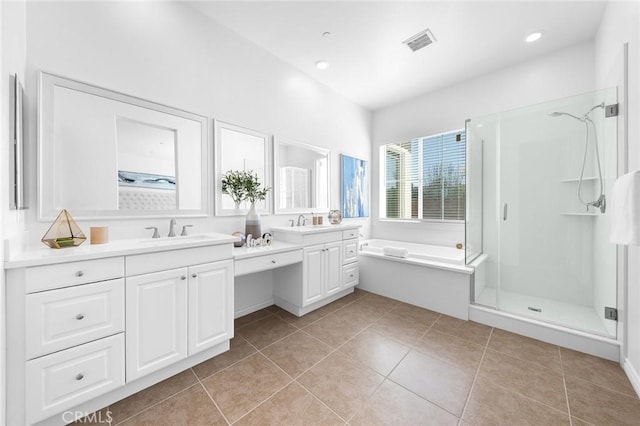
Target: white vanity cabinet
321	271
177	313
84	333
328	271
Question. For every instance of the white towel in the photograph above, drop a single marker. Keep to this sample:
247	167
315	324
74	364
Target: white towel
625	210
395	251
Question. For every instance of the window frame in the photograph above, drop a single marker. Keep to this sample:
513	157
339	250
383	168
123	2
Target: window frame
383	182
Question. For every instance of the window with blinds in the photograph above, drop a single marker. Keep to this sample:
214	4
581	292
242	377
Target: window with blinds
425	178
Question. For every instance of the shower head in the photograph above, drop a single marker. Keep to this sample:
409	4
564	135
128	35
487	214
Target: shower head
558	114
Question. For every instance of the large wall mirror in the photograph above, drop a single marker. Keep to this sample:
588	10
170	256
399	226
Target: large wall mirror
104	154
302	174
241	149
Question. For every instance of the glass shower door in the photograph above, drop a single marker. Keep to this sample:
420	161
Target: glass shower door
555	262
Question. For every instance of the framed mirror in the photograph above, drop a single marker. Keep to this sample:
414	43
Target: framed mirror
104	154
301	177
241	149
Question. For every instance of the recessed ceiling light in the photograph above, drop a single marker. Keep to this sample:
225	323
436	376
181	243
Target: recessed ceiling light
533	37
322	64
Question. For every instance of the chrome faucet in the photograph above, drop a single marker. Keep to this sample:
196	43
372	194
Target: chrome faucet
172	232
304	220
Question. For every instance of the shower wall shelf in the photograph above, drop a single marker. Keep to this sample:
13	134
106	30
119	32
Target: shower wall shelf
578	179
580	214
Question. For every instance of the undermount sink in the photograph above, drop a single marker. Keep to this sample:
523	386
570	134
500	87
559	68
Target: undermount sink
178	239
311	229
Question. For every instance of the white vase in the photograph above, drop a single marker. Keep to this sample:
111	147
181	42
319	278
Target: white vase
253	225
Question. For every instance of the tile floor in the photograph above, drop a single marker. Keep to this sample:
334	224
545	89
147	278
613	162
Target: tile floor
367	360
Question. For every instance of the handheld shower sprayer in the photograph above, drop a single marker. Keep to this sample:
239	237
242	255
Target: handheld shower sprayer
600	202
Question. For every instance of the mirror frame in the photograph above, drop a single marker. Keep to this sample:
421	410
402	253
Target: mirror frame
46	161
276	175
219	126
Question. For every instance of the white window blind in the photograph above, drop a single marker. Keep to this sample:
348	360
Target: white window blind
425	178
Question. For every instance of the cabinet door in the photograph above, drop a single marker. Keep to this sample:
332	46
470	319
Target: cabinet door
210	305
333	267
156	333
313	274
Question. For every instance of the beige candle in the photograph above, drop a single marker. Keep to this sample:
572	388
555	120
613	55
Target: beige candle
99	234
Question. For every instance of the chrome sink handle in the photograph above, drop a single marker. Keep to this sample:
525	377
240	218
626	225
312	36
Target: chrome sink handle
156	234
184	230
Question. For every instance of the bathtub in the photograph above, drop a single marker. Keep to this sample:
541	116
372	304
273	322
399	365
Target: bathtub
432	277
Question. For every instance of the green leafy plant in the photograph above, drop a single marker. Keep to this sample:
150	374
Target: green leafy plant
243	185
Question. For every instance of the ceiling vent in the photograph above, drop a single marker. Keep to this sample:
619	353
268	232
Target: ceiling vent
420	40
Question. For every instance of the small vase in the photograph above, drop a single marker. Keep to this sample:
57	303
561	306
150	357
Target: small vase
252	223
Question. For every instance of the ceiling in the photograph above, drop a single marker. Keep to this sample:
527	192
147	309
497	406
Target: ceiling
369	64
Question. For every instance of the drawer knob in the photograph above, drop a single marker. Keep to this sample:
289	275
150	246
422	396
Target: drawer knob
79	376
79	274
273	261
184	277
79	317
351	276
194	275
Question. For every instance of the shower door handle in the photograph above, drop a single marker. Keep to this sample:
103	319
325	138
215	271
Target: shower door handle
504	212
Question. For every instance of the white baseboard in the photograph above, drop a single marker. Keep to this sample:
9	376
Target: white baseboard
632	374
255	307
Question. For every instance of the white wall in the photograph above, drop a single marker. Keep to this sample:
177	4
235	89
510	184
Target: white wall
563	73
171	54
621	24
12	61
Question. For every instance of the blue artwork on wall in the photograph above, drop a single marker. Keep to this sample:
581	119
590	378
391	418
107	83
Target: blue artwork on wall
355	187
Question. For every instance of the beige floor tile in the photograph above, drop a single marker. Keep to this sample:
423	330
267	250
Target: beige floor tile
292	406
600	371
191	407
492	405
401	328
601	406
526	349
239	350
266	331
579	422
451	349
137	402
434	380
334	330
381	303
254	316
476	333
375	351
297	352
360	313
393	405
416	313
304	320
243	386
528	379
341	383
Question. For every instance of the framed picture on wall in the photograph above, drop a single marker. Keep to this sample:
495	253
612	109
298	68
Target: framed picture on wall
355	187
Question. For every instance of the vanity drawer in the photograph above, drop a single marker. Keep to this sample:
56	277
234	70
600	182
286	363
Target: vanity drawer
67	378
267	261
171	259
350	275
350	250
60	319
48	277
351	233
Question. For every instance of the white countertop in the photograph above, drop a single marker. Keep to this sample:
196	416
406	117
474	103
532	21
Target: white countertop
275	247
47	256
315	229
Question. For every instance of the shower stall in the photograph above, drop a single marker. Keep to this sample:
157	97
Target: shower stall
538	182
